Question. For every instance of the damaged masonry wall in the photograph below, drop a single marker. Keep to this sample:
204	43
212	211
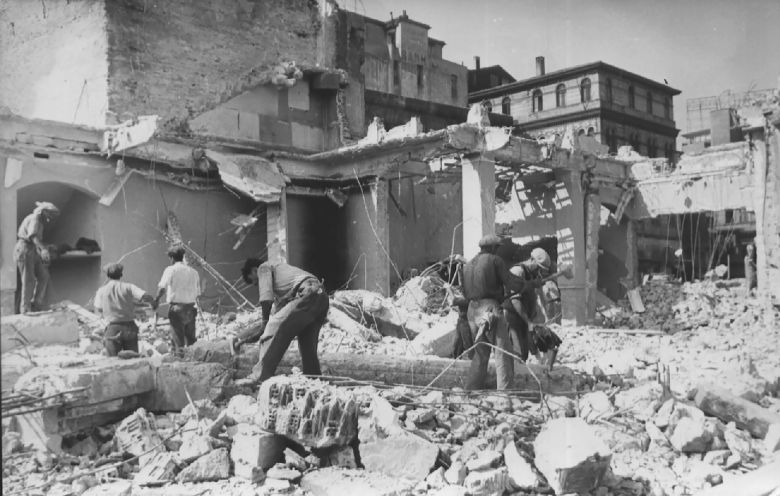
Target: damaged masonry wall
137	57
129	227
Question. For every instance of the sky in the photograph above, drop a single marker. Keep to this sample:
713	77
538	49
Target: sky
701	47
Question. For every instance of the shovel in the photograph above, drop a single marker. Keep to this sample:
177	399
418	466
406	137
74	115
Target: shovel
565	271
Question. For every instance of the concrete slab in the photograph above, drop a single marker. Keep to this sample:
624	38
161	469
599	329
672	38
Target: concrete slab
40	328
172	379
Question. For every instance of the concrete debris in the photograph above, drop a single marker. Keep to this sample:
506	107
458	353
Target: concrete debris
595	405
520	472
487	483
343	457
307	411
283	473
337	482
254	448
772	438
211	466
59	326
401	455
116	488
241	409
158	470
175	379
570	456
138	436
728	407
429	293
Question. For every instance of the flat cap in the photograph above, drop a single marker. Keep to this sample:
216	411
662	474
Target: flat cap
489	240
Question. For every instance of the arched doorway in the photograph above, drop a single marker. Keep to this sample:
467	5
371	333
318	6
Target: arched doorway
75	267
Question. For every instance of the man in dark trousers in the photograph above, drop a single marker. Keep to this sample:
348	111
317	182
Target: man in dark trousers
486	282
180	284
32	257
301	309
116	301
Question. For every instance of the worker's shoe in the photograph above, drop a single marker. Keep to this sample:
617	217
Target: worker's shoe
234	346
248	381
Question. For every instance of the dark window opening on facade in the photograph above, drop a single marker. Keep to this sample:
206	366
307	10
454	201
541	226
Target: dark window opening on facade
667	108
591	131
420	77
396	72
631	101
506	106
560	95
649	103
538	101
454	86
729	216
581	132
609	90
585	90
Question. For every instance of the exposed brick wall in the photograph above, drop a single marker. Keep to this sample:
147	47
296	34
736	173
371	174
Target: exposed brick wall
53	59
179	58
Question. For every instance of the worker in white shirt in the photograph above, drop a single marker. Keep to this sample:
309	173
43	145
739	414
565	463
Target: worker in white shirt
180	284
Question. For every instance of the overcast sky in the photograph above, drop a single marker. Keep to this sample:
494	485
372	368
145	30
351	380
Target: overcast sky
701	47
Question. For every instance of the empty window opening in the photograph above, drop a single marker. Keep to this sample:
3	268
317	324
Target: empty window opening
560	95
538	101
585	90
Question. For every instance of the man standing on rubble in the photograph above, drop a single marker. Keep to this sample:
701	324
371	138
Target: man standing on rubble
523	311
180	284
301	309
116	301
32	257
486	281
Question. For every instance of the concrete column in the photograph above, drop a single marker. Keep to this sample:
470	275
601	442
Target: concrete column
766	187
570	231
378	256
8	227
479	205
276	229
632	256
592	226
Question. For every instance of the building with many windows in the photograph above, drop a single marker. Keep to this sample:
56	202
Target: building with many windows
615	106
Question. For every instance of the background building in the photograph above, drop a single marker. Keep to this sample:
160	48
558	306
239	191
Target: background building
615	106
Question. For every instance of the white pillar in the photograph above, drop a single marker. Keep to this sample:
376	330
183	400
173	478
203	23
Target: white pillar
276	229
570	231
592	226
479	205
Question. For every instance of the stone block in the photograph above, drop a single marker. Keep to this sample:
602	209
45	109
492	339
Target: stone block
561	406
402	455
738	441
334	481
253	447
201	409
457	473
570	456
210	352
209	467
158	470
690	436
487	483
521	473
295	406
485	460
440	339
451	490
241	409
40	430
194	443
280	472
642	401
40	328
728	407
201	380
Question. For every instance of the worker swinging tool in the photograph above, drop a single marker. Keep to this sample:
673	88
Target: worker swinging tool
522	309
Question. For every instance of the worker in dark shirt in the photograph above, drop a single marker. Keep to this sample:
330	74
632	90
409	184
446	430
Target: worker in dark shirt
523	309
486	281
301	310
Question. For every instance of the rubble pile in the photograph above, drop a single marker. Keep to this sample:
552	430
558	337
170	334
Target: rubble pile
672	307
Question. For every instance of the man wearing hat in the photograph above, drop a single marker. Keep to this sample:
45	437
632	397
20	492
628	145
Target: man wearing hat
522	308
486	281
116	302
32	257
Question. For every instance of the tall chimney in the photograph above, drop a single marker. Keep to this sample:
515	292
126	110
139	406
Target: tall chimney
476	61
540	66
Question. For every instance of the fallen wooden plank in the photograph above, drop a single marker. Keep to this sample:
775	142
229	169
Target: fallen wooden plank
760	482
728	407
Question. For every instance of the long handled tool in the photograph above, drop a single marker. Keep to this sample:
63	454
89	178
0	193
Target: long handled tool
565	271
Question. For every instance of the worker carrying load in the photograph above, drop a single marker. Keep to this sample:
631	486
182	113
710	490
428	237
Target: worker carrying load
525	314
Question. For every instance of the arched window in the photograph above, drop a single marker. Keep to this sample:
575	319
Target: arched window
649	103
591	131
538	102
581	132
585	90
631	101
609	90
560	95
506	106
488	105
